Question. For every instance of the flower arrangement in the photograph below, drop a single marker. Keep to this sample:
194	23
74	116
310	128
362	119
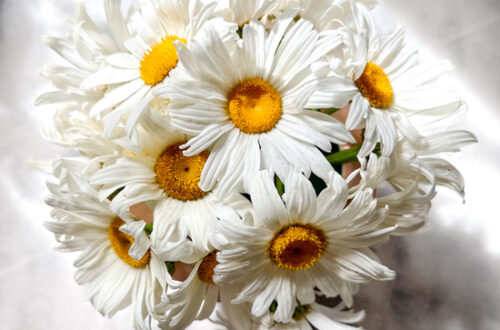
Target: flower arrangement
247	154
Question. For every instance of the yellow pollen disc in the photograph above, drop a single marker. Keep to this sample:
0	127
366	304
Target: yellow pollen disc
121	242
159	60
375	86
254	106
297	247
179	175
206	269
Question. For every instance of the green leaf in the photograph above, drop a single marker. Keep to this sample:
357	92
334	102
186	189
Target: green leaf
148	228
279	185
273	307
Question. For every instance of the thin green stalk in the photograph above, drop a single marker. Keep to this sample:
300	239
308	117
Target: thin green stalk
344	156
330	111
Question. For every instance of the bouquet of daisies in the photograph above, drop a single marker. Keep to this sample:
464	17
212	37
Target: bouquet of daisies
240	160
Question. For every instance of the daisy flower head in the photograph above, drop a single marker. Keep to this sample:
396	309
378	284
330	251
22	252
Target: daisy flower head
115	264
74	128
315	316
146	57
241	11
305	317
84	51
324	14
157	172
248	106
301	242
410	176
194	298
386	84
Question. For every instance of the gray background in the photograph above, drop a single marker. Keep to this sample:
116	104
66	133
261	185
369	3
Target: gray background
448	276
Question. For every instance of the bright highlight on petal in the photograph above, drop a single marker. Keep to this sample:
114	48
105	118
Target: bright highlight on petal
254	106
206	269
121	242
297	247
375	86
179	175
159	60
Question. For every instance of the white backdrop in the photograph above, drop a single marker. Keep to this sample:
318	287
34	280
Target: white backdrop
448	276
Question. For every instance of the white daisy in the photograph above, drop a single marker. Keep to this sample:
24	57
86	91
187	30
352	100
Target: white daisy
324	14
194	298
247	106
305	317
299	243
381	76
74	128
147	57
243	11
406	188
407	180
315	316
84	49
115	264
156	171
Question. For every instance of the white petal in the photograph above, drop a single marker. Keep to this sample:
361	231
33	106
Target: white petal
269	207
334	92
357	112
123	60
141	242
206	138
109	75
299	197
116	96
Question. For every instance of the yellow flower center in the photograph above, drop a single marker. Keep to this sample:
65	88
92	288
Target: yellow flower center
297	247
254	106
375	86
159	60
179	175
121	242
206	269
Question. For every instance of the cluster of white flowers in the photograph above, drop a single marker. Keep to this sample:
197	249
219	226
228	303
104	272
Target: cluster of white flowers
212	162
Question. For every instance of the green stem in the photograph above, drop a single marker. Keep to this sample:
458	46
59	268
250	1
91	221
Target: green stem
349	155
330	111
344	156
